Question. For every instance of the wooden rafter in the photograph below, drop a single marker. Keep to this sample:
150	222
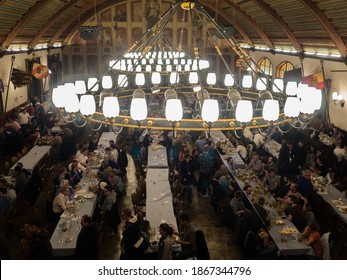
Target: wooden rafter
48	24
251	22
329	27
281	23
17	28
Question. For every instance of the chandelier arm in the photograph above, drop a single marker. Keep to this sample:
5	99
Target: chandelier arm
119	131
310	119
237	136
67	118
301	124
284	131
227	108
95	129
80	125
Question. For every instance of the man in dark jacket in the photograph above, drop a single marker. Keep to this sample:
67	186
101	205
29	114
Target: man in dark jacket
87	240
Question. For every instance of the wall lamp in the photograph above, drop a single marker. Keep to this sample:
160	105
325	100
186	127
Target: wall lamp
338	100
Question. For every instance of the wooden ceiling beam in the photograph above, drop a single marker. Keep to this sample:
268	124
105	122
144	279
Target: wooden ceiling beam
281	23
251	22
328	26
48	24
20	24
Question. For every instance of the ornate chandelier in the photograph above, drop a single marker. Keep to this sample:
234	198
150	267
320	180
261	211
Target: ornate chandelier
157	85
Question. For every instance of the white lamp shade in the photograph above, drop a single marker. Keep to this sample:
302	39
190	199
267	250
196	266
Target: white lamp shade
174	78
317	98
138	109
173	110
229	80
306	104
148	68
193	78
291	88
211	79
261	83
93	84
72	105
158	68
80	87
168	68
247	81
303	90
277	85
292	107
58	97
334	95
140	79
156	78
122	80
138	68
339	97
210	110
187	67
110	107
106	82
244	111
271	110
87	104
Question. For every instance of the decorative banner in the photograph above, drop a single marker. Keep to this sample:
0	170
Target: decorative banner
243	63
39	71
20	78
292	75
315	80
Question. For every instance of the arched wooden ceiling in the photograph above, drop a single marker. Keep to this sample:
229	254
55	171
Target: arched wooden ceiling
297	25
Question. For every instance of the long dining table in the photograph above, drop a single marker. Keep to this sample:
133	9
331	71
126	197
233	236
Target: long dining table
157	156
105	137
32	159
287	243
64	237
159	204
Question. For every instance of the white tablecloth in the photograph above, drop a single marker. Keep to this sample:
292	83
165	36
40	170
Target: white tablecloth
105	137
159	208
62	247
291	246
33	157
272	147
157	158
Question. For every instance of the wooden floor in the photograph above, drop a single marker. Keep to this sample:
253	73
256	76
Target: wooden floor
219	238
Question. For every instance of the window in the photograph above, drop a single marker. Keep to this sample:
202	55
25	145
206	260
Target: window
283	67
265	66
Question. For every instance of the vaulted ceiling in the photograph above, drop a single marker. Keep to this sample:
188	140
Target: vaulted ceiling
300	26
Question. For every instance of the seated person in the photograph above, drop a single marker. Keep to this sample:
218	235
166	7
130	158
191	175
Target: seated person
271	181
60	202
312	238
256	165
225	183
187	238
286	201
296	213
237	205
